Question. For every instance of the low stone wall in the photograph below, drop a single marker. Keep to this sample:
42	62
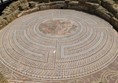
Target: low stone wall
10	13
106	9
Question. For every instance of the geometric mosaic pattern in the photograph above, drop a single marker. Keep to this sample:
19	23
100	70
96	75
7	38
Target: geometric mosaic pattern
57	45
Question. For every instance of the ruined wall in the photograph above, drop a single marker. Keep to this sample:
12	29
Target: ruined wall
106	9
10	13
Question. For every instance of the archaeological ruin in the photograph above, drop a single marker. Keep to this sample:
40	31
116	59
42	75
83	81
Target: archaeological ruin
59	41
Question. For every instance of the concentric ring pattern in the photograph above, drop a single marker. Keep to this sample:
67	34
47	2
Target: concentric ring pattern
89	47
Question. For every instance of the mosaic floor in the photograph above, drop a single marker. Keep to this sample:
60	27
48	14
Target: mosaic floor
59	46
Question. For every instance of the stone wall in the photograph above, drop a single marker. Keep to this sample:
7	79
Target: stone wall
106	9
10	13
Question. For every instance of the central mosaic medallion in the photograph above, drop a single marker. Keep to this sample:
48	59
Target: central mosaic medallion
58	27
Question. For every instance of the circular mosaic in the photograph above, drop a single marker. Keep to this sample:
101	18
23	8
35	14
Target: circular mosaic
58	44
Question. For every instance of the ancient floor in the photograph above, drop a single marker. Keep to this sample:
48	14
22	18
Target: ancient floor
59	46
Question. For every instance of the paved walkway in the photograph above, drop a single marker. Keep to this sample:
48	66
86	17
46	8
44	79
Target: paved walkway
60	46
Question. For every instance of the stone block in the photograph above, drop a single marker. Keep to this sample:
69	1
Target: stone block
3	22
23	1
32	4
116	15
28	11
83	8
15	5
23	7
110	5
82	2
43	7
92	5
108	2
102	12
94	1
7	11
115	7
114	22
8	18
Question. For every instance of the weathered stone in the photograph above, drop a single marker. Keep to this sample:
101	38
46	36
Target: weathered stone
102	12
32	4
92	5
28	11
3	22
7	11
112	8
115	7
1	26
94	1
82	2
73	5
55	7
23	1
110	5
23	7
116	15
83	8
116	1
108	2
43	7
11	16
12	7
14	14
15	5
8	18
109	9
114	22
